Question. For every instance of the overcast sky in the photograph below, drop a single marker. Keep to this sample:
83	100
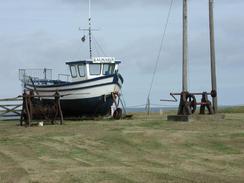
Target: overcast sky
44	33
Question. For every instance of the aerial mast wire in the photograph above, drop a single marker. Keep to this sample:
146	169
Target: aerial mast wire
158	56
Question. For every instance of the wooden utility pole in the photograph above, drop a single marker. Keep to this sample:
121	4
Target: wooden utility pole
212	51
185	47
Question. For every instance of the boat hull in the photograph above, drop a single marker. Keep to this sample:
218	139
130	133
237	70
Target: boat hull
86	98
96	106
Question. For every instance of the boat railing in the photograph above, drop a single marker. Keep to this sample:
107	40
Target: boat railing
35	74
64	77
41	77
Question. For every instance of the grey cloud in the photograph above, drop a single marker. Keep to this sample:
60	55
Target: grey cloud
127	3
118	4
135	40
38	50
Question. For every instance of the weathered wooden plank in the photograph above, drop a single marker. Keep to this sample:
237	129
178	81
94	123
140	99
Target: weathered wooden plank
11	99
10	105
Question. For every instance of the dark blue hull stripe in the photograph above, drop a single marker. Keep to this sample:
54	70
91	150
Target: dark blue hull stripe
114	76
71	89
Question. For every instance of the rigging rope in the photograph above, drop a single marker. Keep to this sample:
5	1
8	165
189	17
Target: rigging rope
96	50
99	46
160	50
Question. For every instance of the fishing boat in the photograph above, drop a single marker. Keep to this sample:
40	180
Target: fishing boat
93	90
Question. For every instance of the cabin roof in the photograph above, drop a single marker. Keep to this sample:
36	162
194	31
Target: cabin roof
93	61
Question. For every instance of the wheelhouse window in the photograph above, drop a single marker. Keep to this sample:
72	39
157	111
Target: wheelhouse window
108	69
73	71
82	70
95	69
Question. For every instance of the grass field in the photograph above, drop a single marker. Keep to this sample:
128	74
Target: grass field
139	150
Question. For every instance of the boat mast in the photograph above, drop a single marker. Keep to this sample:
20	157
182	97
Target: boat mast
90	39
185	47
212	50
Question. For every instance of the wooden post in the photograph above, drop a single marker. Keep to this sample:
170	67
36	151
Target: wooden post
183	108
60	112
59	109
26	111
185	47
212	51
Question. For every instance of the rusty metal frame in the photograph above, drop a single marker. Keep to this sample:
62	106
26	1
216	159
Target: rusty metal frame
29	110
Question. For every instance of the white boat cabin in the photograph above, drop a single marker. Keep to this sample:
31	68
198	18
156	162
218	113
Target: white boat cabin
89	69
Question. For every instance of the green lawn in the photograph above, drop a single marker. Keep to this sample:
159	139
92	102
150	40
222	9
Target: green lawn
235	109
145	149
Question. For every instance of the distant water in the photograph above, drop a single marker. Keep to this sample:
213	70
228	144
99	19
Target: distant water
153	109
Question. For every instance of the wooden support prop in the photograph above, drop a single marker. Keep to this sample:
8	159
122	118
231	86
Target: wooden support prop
40	108
118	111
58	107
25	114
187	104
205	103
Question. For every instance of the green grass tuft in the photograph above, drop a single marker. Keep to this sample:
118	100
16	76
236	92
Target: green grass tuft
235	109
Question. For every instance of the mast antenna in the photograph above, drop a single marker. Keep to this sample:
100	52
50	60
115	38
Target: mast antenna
90	46
89	31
